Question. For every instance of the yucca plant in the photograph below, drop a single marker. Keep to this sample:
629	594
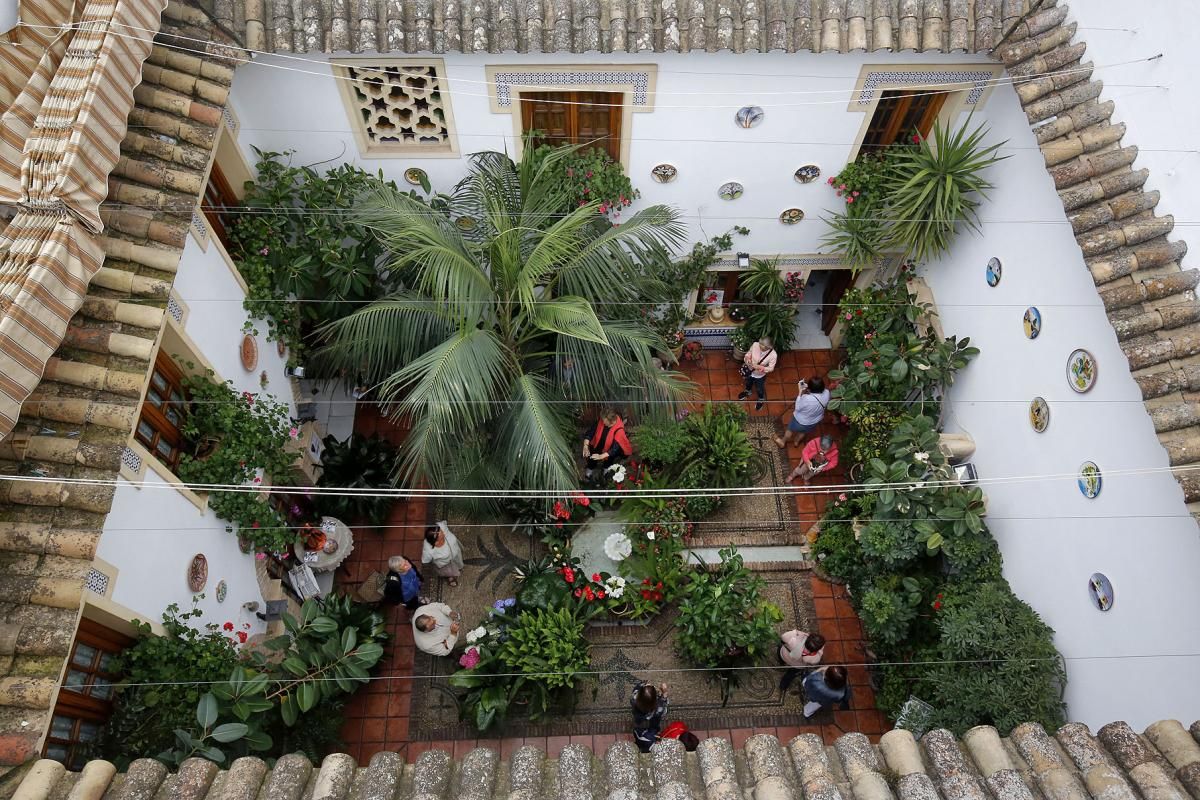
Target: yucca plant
857	234
934	186
472	351
763	282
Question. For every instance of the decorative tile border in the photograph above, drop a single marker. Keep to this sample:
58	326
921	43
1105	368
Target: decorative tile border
97	581
199	228
637	80
892	78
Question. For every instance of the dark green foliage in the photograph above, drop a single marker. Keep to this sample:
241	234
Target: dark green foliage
360	462
659	443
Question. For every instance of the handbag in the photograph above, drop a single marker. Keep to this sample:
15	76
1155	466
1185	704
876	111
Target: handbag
746	369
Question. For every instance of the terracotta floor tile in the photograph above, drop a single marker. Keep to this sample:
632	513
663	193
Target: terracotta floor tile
601	743
785	735
871	721
821	588
738	737
377	706
536	741
464	746
397	729
850	627
843	607
352	730
373	730
415	749
555	744
368	750
859	677
845	720
399	705
830	734
510	746
834	650
863	698
825	608
444	746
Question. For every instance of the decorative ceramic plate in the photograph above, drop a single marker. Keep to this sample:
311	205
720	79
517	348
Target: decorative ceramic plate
1039	414
197	574
1081	370
808	173
1090	480
249	353
1033	322
222	591
994	270
281	348
749	116
416	176
1101	590
466	224
791	216
730	191
664	173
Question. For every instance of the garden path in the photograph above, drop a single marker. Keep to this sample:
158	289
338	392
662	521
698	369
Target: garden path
377	717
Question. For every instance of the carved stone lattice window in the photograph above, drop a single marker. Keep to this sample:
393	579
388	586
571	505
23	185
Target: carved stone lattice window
398	107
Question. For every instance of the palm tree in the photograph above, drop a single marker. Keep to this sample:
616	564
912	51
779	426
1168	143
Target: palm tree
471	351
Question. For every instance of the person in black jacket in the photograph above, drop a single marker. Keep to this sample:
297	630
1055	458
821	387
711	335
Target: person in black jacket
649	706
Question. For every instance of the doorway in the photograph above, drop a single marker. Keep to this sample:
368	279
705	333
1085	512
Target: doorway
836	283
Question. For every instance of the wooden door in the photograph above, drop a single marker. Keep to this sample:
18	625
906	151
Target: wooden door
835	289
592	119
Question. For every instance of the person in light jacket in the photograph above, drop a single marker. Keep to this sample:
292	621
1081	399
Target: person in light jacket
824	688
442	549
435	629
759	362
812	400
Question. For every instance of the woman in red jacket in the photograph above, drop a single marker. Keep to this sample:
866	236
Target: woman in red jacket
608	443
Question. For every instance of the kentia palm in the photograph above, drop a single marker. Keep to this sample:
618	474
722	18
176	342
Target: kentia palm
472	349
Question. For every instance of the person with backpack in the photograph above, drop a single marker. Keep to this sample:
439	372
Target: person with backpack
826	687
649	704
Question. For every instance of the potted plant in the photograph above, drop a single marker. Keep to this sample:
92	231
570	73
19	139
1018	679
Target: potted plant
741	340
675	342
693	351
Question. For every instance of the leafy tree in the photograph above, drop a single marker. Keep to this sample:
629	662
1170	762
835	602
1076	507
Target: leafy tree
499	295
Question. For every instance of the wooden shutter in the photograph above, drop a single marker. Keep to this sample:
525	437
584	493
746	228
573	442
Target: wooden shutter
587	118
218	205
899	113
162	412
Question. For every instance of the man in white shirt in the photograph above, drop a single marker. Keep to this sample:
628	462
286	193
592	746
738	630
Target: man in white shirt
435	629
758	363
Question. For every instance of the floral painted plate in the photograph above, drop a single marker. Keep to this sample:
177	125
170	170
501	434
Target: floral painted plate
1101	590
1090	481
197	574
994	271
416	176
1081	370
1039	414
808	173
664	173
749	116
1033	322
249	353
466	224
791	216
730	191
222	591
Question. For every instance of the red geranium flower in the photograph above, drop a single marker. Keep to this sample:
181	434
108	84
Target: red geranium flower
228	626
600	595
937	604
596	577
241	636
578	592
916	138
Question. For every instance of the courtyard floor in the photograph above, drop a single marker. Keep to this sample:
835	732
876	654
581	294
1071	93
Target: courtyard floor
377	717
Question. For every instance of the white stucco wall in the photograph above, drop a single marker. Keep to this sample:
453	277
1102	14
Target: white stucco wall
153	530
1137	531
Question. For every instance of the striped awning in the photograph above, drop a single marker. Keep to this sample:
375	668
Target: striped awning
59	140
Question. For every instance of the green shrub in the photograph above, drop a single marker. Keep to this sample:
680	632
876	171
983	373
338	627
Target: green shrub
891	543
871	426
360	462
888	609
590	175
660	443
550	650
972	557
719	449
698	506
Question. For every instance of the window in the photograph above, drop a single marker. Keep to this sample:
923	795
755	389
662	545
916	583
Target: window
219	205
85	700
397	108
162	412
899	113
574	118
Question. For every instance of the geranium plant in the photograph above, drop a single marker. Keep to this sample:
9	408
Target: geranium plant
589	175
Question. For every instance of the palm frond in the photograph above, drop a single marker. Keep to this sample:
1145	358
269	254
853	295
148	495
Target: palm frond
857	235
531	434
609	266
569	316
623	371
384	336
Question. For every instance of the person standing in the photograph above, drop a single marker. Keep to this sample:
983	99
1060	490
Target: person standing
799	651
808	412
819	455
756	365
435	629
442	549
402	585
649	706
824	688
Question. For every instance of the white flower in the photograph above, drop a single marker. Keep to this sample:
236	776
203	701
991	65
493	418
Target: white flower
619	475
922	367
650	535
922	457
476	635
615	586
618	547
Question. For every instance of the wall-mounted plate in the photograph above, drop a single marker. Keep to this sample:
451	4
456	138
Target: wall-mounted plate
416	176
1101	591
1039	414
749	116
466	224
222	591
197	574
994	271
730	191
664	173
1090	480
249	353
1081	370
808	173
1032	322
791	216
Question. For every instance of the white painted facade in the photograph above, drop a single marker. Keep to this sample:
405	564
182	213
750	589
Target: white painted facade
154	528
1137	531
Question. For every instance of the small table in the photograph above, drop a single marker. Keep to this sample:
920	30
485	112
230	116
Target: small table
318	560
